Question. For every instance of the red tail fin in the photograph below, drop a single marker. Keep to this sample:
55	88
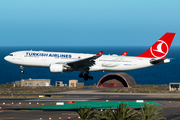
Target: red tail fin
160	48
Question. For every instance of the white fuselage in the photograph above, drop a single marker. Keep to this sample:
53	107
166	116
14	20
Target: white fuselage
103	63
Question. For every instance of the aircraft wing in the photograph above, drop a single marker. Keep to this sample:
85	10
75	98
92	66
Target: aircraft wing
86	62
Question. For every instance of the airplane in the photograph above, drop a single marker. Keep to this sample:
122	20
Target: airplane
85	63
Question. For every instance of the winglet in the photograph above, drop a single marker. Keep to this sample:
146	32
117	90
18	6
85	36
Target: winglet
100	53
124	54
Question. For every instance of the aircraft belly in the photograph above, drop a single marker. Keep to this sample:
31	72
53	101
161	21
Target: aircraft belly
124	66
35	64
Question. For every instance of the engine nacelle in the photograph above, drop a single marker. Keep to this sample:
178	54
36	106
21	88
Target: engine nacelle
60	68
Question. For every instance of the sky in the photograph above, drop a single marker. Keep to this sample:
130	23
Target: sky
87	22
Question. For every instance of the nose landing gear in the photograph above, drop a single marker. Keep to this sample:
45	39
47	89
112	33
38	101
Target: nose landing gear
22	71
86	76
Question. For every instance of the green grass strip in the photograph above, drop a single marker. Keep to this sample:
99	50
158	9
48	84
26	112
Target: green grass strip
93	104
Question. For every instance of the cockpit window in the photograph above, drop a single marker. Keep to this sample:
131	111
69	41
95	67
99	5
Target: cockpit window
11	55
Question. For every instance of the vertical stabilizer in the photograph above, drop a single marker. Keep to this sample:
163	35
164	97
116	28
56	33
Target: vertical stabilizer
160	48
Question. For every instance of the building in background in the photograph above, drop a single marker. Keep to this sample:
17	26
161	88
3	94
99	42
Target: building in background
116	80
74	83
80	84
59	84
32	82
174	86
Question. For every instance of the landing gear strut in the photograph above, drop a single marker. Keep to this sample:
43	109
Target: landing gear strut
86	76
21	67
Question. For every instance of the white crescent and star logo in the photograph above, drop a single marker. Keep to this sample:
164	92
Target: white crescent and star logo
160	49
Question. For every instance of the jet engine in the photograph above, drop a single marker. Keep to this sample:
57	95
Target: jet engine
60	68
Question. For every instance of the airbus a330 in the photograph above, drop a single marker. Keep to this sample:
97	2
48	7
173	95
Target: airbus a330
68	62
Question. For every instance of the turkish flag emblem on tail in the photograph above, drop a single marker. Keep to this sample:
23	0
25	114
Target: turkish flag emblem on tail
160	48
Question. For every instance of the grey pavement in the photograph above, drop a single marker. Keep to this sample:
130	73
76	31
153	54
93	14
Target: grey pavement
15	111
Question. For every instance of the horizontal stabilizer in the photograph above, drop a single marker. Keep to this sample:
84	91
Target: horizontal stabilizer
159	61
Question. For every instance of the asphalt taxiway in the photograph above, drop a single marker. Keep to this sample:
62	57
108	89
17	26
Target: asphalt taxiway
17	109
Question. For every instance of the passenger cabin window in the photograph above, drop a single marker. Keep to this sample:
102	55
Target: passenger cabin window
11	55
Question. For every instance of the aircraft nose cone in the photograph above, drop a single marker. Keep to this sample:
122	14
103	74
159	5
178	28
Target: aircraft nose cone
6	58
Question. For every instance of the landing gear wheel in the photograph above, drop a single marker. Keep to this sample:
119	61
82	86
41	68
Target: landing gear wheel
86	76
85	79
22	71
21	67
81	75
90	77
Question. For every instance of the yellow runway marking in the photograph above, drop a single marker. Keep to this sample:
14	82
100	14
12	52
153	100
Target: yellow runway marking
69	113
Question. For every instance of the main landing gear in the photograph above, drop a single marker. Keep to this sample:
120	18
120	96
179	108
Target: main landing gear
86	76
21	67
